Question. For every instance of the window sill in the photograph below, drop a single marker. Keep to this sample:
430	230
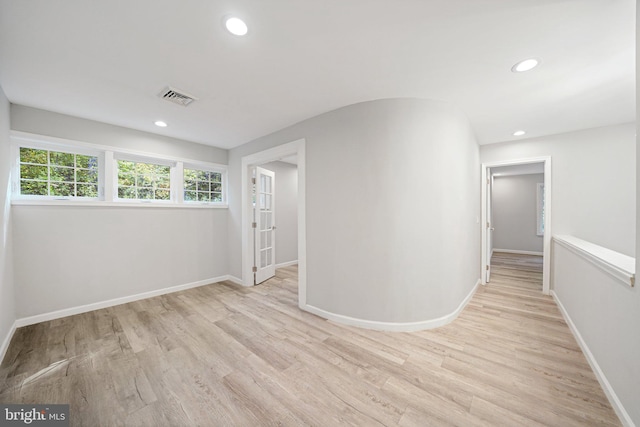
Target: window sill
127	204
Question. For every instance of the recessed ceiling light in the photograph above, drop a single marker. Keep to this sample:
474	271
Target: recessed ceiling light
526	65
160	123
235	26
519	133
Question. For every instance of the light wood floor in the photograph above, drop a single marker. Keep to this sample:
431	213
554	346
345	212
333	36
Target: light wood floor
227	355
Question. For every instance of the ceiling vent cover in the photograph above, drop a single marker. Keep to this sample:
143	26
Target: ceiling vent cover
177	96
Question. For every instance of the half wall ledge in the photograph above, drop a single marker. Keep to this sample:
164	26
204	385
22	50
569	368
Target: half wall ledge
619	266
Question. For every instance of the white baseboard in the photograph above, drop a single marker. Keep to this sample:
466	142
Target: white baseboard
394	326
602	379
513	251
7	341
234	279
287	264
116	301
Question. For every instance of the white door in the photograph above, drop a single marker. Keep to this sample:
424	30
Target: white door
264	217
489	225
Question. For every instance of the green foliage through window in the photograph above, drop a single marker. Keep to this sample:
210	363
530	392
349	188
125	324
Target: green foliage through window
58	174
143	181
202	186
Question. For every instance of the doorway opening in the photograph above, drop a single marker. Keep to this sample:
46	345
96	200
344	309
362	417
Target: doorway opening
262	215
540	227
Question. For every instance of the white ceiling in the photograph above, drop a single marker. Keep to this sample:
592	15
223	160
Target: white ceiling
108	60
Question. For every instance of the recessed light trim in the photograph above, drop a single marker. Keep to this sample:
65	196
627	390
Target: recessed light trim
525	65
519	133
235	26
160	124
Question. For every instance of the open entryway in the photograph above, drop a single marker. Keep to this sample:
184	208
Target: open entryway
260	232
516	217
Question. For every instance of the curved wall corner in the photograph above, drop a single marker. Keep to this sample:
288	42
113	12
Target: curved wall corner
393	200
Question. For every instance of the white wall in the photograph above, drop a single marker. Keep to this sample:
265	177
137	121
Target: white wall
593	182
71	256
388	239
286	178
606	313
66	256
513	212
7	299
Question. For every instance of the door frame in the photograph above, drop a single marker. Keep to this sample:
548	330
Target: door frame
546	266
256	159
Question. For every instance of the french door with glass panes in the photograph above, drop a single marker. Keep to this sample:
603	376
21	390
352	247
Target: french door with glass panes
264	226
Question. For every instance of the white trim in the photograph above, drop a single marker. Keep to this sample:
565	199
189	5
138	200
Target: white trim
234	279
514	251
116	301
287	264
120	204
7	341
272	154
619	266
394	326
484	258
602	379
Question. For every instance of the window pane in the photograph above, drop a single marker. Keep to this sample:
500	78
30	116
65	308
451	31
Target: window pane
87	190
33	172
190	175
127	193
86	162
164	181
86	175
62	159
163	171
126	179
33	188
61	174
32	155
145	193
146	181
202	185
62	189
58	172
162	195
203	176
125	167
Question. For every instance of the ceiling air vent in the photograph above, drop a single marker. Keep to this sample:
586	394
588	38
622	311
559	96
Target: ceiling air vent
176	96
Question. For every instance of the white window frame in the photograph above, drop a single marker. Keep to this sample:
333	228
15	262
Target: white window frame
208	168
39	145
108	173
143	159
540	209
